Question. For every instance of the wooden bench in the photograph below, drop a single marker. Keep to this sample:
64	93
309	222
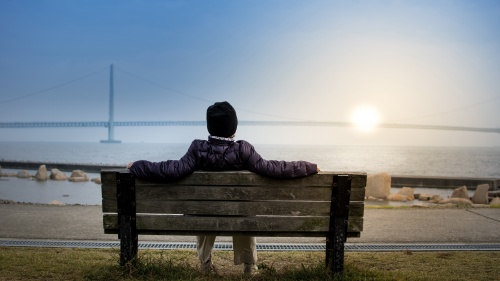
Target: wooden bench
327	204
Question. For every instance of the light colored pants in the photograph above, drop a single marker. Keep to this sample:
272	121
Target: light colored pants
244	248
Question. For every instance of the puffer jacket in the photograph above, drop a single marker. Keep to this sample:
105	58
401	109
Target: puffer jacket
220	155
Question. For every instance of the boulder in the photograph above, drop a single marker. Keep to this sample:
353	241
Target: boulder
78	179
460	192
78	175
378	185
456	200
435	199
495	202
425	197
481	194
55	174
41	174
408	192
23	174
96	180
397	197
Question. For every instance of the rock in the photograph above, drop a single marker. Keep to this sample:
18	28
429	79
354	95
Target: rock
78	179
456	200
447	205
55	174
460	192
41	174
424	197
408	192
397	197
371	198
55	202
495	202
481	194
378	185
436	197
78	175
23	174
96	180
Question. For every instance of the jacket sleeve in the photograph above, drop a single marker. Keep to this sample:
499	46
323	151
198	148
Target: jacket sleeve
168	170
278	169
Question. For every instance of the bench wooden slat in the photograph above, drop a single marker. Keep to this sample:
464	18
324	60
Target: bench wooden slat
257	226
244	178
235	208
164	192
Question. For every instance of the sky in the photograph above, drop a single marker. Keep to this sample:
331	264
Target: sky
432	62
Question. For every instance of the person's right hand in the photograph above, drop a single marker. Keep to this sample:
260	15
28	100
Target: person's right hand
317	167
130	165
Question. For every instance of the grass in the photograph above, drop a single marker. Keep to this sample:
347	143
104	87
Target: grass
99	264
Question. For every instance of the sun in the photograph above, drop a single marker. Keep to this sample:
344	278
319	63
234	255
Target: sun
365	118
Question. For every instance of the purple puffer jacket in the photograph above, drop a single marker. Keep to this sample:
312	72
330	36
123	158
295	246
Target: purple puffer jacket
220	155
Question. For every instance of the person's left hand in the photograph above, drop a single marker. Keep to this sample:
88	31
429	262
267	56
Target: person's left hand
130	165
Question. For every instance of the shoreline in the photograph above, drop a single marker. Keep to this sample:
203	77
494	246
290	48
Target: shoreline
13	202
67	167
397	181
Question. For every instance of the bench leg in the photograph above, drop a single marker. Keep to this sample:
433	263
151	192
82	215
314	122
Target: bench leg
127	218
335	249
337	233
128	240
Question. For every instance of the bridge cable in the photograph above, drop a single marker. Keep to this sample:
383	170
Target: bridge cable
202	99
162	86
54	87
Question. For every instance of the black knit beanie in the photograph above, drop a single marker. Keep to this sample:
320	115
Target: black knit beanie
221	120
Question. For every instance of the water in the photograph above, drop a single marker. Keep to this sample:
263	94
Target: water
483	162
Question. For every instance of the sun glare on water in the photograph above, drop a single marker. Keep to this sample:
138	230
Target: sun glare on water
365	118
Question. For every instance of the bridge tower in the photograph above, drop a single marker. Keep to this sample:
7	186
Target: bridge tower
111	122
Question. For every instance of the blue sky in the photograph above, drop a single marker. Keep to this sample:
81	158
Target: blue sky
425	62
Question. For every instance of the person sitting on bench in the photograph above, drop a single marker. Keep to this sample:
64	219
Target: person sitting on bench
222	153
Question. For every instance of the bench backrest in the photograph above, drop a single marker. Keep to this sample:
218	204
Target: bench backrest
229	203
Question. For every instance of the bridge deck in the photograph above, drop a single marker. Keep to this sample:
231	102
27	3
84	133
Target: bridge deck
244	123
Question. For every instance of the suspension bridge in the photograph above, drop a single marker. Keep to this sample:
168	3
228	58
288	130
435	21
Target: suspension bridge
110	124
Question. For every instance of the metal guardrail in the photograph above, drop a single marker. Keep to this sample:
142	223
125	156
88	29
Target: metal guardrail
270	247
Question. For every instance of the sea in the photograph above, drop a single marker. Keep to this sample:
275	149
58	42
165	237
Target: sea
480	162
